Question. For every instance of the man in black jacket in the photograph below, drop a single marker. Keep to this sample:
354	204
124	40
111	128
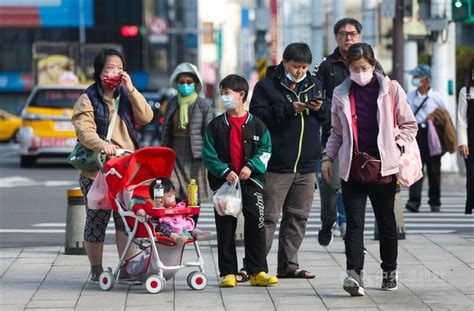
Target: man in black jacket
286	101
332	71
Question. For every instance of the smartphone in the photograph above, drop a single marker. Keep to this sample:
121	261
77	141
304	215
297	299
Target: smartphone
320	96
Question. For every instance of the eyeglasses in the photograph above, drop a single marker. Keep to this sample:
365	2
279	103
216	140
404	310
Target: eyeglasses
345	34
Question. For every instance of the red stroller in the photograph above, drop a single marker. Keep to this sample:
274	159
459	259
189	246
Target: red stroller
159	259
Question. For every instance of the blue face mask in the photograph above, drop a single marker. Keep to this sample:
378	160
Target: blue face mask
416	82
228	102
186	89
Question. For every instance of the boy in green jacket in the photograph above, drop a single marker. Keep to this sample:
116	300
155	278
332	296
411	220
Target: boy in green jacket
237	147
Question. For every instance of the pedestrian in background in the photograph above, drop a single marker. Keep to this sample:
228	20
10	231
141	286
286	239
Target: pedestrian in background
237	147
423	101
187	116
332	71
285	100
92	113
363	120
466	134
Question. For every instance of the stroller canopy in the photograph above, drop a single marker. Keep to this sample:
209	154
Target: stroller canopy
145	163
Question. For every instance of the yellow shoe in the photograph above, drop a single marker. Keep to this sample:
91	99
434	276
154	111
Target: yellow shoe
228	281
263	279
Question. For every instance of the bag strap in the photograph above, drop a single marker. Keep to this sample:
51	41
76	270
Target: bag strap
110	129
392	101
421	105
354	119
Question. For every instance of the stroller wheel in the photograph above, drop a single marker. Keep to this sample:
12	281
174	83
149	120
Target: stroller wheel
197	280
155	283
106	280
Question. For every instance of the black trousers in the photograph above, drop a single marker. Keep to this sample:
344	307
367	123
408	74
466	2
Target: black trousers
382	198
433	169
254	234
470	180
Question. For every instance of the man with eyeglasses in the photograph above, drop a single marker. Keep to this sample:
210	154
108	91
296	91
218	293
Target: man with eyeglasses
332	71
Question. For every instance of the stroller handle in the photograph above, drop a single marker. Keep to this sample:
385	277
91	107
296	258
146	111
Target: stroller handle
118	153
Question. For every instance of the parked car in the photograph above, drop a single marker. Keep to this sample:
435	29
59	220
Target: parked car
9	125
46	129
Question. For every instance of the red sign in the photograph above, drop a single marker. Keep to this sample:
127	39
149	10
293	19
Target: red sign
158	26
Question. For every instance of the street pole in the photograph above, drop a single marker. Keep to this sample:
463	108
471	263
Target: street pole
317	30
410	50
443	68
262	22
338	13
370	24
82	36
397	48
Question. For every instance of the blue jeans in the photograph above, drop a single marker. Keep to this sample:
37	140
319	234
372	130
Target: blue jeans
332	205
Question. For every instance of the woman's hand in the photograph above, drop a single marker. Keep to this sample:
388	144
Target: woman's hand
326	169
463	151
244	173
110	149
127	82
232	177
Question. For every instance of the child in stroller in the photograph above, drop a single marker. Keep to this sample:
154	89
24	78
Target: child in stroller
177	227
158	258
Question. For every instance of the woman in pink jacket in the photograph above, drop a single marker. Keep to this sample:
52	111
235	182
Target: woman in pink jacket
372	118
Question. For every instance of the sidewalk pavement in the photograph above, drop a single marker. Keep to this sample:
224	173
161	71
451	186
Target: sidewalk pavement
436	272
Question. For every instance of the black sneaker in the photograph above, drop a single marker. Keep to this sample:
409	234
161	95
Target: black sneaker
412	207
435	208
389	281
354	284
325	235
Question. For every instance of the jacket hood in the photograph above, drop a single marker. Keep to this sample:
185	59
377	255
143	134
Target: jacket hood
186	68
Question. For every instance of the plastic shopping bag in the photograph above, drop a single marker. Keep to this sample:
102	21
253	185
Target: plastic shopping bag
434	144
228	199
97	197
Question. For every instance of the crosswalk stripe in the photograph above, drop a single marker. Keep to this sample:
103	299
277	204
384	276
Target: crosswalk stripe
450	219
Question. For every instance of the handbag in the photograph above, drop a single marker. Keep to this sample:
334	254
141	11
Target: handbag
364	167
410	168
83	158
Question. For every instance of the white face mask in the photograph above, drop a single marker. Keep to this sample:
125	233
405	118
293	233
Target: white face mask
292	79
362	78
228	102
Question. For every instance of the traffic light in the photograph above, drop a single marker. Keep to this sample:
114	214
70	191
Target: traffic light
129	31
462	11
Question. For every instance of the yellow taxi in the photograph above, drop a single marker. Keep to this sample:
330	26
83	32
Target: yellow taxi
46	129
9	125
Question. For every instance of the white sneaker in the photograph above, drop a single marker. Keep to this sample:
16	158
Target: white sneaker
336	231
342	229
353	284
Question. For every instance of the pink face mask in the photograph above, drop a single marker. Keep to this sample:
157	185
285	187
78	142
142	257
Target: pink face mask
362	78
